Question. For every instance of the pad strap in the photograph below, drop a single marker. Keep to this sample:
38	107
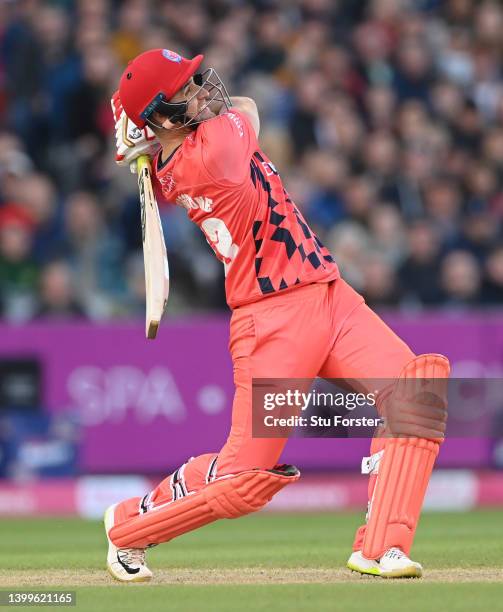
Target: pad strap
370	465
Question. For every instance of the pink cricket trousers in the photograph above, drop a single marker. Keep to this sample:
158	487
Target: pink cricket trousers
322	329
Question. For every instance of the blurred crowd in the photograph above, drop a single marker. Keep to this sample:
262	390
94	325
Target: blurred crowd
384	117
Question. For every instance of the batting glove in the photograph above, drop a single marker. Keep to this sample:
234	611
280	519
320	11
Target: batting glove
131	141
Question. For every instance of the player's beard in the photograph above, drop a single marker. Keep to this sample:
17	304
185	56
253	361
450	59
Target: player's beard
201	110
204	113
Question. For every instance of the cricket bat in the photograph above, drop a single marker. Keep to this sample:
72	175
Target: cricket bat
154	250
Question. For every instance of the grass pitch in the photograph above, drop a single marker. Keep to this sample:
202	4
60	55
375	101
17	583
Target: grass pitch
264	562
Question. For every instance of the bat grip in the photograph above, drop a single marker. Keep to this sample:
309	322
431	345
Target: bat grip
142	162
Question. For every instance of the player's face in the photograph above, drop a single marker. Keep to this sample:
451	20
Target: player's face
197	98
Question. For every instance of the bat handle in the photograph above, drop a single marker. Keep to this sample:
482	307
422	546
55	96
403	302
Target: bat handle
143	162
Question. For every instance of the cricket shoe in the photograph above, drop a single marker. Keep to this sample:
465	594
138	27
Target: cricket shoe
393	564
125	564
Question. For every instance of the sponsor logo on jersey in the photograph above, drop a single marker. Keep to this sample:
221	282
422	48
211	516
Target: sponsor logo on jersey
237	121
189	203
167	182
171	56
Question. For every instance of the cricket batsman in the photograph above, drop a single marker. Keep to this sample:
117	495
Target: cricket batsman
293	316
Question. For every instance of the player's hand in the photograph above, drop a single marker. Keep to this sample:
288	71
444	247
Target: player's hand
131	141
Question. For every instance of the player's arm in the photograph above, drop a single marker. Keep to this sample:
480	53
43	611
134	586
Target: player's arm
229	141
248	107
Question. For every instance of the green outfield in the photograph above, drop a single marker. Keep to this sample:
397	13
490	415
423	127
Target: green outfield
264	562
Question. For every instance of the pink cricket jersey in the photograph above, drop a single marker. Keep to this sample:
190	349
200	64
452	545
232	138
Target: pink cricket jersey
233	192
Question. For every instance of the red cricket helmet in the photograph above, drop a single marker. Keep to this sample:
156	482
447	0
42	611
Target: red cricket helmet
153	77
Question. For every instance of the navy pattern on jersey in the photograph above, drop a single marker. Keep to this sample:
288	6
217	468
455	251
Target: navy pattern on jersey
286	248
